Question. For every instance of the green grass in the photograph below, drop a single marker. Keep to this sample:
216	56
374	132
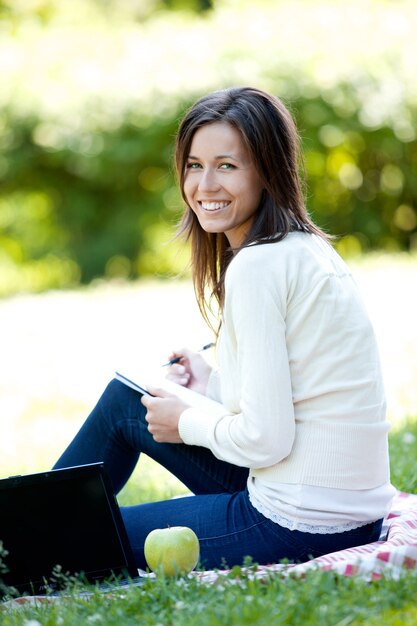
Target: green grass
403	454
318	598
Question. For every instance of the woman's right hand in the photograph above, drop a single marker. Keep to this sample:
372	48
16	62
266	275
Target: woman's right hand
192	371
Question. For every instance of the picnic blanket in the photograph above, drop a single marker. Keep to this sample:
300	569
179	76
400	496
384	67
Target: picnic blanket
395	552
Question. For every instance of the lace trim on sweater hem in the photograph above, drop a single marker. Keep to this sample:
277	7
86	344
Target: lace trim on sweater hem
301	526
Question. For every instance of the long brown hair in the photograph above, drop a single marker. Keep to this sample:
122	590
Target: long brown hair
271	138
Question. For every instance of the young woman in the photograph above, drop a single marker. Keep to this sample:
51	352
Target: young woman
297	466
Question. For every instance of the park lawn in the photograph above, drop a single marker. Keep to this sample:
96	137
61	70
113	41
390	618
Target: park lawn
318	598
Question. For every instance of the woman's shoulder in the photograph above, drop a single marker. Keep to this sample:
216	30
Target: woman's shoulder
263	264
292	249
293	263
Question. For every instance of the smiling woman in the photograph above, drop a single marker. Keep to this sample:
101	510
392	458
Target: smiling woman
258	131
281	470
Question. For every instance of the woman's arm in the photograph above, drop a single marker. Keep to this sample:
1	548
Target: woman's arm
255	374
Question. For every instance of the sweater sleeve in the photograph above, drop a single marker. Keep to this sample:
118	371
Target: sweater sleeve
261	433
213	386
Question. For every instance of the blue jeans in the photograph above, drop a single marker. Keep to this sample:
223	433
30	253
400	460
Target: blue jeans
228	526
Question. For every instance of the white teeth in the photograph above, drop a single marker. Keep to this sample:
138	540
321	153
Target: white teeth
213	206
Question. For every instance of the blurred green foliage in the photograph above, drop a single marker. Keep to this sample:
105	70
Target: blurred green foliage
94	206
362	181
90	97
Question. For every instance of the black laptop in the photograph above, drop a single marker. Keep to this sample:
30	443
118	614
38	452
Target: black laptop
67	517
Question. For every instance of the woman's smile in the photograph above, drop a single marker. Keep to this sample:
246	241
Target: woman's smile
213	206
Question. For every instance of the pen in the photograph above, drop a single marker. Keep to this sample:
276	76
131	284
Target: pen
177	359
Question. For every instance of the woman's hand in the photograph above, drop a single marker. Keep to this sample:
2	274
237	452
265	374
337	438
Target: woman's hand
163	414
193	371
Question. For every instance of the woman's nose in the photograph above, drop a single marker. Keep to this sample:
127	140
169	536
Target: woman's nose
208	181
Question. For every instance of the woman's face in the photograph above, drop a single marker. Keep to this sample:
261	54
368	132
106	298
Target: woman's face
221	184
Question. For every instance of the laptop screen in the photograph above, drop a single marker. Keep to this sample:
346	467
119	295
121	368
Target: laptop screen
65	517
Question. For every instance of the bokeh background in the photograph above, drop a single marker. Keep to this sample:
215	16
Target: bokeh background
91	92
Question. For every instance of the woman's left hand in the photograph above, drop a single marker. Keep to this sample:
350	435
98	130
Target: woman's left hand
163	415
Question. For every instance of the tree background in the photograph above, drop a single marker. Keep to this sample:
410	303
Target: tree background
91	92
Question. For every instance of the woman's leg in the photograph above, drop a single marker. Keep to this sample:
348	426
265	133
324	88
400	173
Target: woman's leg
229	528
116	432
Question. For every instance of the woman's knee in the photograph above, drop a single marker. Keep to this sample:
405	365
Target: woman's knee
120	402
120	394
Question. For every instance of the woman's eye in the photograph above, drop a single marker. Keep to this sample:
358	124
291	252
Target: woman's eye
193	166
227	166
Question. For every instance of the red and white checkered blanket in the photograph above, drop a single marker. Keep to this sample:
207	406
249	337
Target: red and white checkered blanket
395	552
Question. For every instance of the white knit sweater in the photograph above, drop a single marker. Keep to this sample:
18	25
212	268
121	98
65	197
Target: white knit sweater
299	373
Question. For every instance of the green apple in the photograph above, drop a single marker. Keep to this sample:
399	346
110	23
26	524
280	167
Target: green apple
172	551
